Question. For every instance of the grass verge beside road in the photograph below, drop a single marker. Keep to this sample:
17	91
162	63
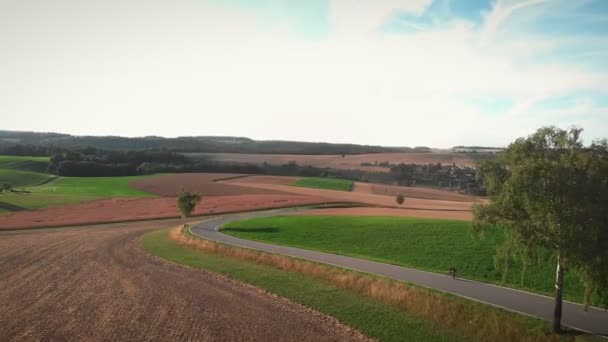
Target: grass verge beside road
325	183
427	244
384	309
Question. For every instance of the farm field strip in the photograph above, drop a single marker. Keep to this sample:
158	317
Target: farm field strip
208	184
146	208
325	183
344	162
359	197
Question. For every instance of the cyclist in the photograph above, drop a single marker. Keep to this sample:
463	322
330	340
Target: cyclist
453	272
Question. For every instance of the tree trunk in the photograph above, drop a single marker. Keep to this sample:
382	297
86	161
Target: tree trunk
559	291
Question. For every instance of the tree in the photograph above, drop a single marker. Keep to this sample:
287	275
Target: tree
6	187
547	192
400	199
186	202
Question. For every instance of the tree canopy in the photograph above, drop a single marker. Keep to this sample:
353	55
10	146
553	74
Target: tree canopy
186	202
550	193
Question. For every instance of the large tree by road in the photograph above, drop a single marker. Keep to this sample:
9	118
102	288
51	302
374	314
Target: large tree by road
549	192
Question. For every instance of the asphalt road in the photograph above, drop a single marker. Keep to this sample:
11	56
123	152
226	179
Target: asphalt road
594	321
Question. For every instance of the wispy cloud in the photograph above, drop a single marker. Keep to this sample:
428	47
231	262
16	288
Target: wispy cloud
501	11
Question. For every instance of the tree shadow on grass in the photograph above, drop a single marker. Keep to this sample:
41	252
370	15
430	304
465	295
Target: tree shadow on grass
11	207
252	230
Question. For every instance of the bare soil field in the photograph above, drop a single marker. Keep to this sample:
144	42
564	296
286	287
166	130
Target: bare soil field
204	183
357	197
413	192
96	284
371	211
348	161
132	209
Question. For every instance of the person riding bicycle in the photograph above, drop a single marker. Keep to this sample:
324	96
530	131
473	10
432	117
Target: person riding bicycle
453	272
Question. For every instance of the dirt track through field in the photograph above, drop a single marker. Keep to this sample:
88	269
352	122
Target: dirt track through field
96	283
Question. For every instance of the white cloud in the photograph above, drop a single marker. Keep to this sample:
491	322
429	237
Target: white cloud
354	17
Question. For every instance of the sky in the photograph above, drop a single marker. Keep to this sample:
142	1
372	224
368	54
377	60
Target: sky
433	73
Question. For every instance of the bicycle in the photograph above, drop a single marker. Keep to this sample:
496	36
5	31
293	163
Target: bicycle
452	271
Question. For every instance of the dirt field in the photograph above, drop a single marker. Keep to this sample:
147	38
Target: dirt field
349	161
413	192
453	215
96	284
204	183
130	209
358	197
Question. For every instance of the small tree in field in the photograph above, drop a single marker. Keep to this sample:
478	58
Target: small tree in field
550	193
400	199
5	187
186	202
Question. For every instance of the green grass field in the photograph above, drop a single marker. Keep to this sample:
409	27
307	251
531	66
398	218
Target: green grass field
367	315
325	183
92	186
35	190
18	178
426	244
34	164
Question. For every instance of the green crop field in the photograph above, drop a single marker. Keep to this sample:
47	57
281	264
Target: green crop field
67	190
21	178
325	183
426	244
35	190
35	164
92	186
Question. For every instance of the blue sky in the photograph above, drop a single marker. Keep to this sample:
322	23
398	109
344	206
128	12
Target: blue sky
411	72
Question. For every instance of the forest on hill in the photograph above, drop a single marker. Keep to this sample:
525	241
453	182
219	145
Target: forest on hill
35	143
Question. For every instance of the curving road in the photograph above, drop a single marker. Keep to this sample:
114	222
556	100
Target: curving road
95	283
594	320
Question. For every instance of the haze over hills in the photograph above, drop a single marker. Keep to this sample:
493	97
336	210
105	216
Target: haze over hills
201	144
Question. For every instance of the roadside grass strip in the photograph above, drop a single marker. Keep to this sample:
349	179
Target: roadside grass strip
325	183
381	308
427	244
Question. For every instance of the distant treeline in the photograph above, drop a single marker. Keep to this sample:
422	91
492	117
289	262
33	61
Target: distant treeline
28	150
202	144
92	162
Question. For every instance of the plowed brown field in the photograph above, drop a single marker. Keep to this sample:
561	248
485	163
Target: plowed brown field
348	161
363	211
204	183
131	209
413	192
358	197
96	284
